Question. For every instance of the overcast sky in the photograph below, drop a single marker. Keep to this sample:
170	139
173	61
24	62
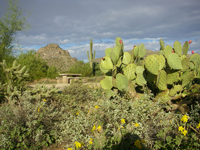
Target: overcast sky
72	23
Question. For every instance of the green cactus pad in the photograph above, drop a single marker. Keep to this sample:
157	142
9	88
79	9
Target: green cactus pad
126	58
161	60
172	77
119	62
162	80
140	80
108	51
109	93
129	71
122	82
152	64
103	70
116	50
117	42
168	50
193	58
187	77
182	57
106	63
113	58
106	83
142	50
136	50
173	91
161	52
191	65
162	45
139	69
174	61
178	48
185	48
185	63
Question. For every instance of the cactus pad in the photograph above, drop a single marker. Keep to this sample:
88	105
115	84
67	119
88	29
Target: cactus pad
106	63
174	61
162	45
140	80
172	77
185	48
129	71
178	48
106	83
161	60
126	58
168	50
136	50
122	82
162	80
142	50
152	64
108	51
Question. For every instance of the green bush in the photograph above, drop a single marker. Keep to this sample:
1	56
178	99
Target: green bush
38	68
81	68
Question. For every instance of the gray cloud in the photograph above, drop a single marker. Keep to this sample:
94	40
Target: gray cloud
76	22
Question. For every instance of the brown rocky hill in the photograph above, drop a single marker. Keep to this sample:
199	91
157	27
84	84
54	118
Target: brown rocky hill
56	56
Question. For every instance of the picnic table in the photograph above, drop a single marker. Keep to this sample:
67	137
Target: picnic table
67	78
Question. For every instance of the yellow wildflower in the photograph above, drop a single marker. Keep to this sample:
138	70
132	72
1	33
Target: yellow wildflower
136	124
69	149
99	128
94	127
77	144
184	118
137	143
90	142
198	126
181	128
77	112
96	107
44	100
38	109
123	121
184	132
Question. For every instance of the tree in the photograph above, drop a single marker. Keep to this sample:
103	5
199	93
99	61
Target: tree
10	24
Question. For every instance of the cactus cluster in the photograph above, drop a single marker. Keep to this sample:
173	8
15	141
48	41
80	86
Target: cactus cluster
14	88
123	71
170	71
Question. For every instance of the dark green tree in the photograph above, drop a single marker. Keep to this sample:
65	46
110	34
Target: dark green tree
10	24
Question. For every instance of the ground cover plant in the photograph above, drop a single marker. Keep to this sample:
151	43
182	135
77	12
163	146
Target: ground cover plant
114	115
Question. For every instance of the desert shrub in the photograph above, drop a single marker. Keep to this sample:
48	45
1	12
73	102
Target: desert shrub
97	71
38	68
52	72
81	68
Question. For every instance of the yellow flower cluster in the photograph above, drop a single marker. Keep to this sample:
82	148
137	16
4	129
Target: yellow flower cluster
136	124
96	107
98	128
183	131
123	121
198	126
77	113
184	118
137	143
77	144
91	141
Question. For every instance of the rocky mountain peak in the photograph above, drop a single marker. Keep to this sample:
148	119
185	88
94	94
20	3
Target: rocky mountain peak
56	56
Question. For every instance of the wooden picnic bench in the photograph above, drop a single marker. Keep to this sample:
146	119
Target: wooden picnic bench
67	78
